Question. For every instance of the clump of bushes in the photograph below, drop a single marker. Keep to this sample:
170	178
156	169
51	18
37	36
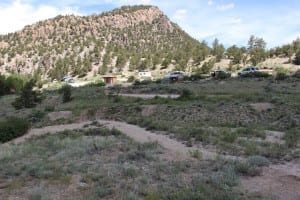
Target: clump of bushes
12	84
143	82
186	94
37	115
251	166
12	128
66	92
257	75
98	83
281	73
258	161
225	178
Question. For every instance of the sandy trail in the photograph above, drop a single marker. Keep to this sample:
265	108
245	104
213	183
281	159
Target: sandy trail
175	150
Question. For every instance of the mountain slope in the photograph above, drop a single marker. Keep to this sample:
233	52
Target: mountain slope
129	38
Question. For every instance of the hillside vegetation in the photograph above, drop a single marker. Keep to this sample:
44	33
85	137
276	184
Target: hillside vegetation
129	38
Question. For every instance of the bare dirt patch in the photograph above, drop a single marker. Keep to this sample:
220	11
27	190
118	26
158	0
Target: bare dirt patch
148	110
275	137
53	100
261	107
60	115
280	182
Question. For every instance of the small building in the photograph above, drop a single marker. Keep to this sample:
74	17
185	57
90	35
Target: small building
109	79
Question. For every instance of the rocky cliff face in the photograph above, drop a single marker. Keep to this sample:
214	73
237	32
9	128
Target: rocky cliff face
139	37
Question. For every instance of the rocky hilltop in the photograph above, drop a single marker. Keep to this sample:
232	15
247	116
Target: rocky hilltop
125	39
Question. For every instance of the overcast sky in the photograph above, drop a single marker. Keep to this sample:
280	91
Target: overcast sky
231	21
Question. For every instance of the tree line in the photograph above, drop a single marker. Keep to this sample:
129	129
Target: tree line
255	52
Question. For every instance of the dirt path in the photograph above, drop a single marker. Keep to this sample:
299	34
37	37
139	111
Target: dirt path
50	130
151	96
175	150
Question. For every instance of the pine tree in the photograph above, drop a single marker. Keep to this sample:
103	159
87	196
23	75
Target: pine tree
297	58
28	97
256	49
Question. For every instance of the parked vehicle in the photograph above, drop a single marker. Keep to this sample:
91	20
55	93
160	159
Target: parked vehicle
175	76
71	80
68	79
247	71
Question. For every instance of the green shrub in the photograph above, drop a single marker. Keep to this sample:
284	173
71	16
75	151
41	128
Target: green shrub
258	161
244	168
37	115
49	108
261	74
226	178
196	153
66	92
281	73
292	138
251	166
229	136
186	94
12	84
98	83
143	82
13	128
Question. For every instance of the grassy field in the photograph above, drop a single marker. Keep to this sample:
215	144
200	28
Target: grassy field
237	116
233	115
103	164
257	119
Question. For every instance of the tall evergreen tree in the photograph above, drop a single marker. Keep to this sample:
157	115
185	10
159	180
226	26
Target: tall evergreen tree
256	49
